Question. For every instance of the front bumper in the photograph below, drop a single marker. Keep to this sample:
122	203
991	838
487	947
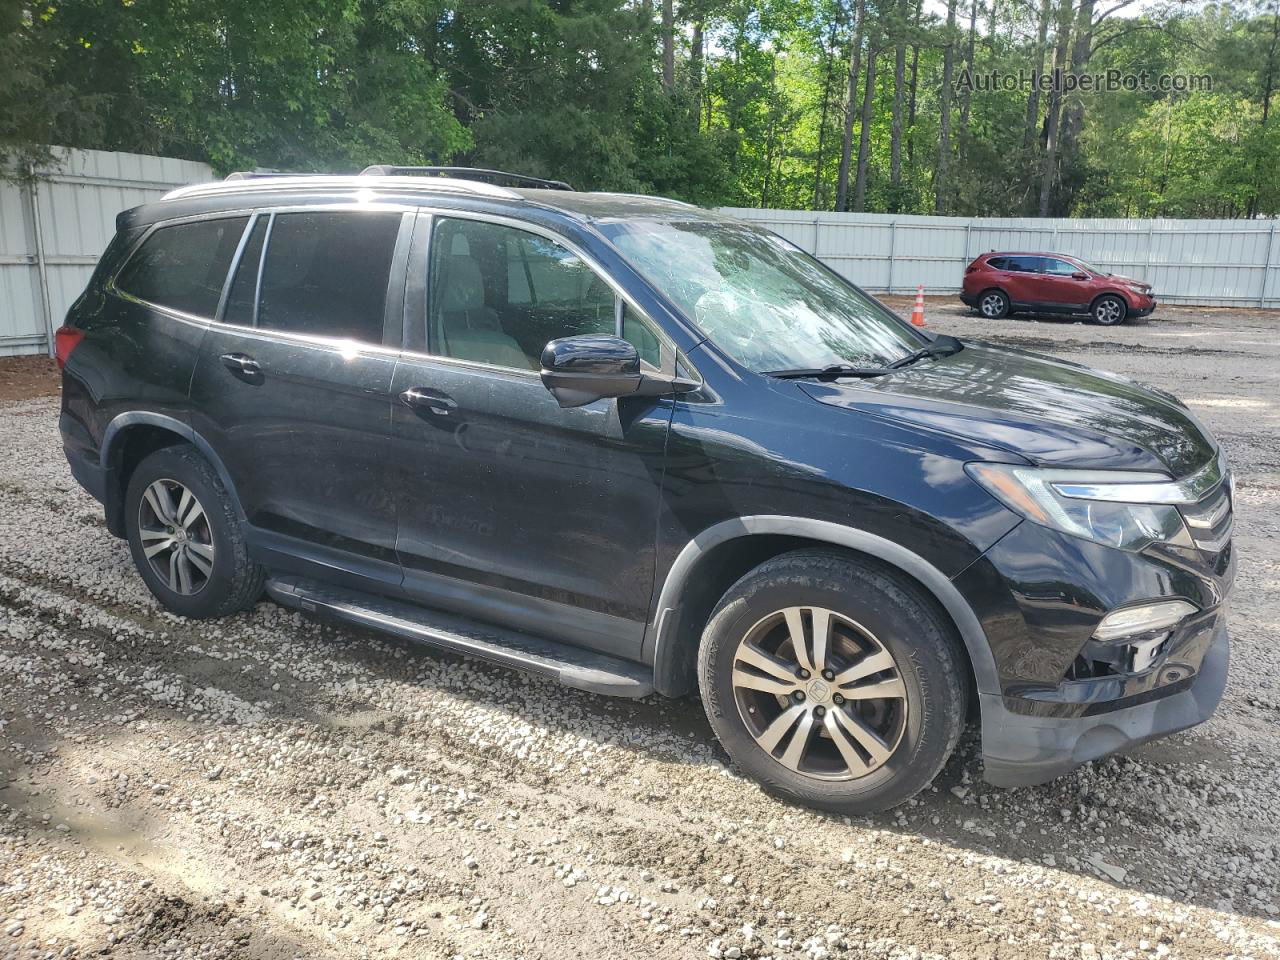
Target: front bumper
1019	750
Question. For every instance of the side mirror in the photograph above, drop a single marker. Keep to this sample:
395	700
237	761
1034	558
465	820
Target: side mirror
1079	275
580	370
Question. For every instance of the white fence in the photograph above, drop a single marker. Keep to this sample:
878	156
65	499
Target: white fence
54	228
1209	262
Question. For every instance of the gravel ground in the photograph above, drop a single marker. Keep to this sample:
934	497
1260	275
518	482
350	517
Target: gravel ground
268	787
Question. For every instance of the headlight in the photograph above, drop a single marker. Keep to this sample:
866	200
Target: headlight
1117	508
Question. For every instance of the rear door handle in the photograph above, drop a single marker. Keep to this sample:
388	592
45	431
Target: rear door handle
240	363
438	403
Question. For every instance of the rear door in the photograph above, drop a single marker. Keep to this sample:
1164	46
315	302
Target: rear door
1023	279
292	388
511	508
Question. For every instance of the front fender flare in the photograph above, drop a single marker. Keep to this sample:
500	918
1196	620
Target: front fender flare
665	654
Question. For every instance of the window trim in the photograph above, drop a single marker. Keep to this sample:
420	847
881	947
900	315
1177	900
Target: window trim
424	233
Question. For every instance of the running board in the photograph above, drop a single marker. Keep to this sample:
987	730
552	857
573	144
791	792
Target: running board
572	666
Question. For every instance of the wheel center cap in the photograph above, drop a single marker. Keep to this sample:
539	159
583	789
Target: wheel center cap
180	534
819	690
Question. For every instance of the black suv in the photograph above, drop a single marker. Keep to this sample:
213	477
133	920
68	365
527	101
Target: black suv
638	446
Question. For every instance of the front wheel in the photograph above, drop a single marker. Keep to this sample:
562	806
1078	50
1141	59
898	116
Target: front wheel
1109	311
833	681
185	537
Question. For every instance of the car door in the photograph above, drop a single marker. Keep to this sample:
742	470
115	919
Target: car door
1060	284
1023	280
511	508
292	389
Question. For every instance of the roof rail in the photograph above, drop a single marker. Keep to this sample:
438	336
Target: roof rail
467	173
260	174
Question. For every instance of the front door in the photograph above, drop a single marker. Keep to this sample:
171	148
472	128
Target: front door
1059	283
512	509
292	391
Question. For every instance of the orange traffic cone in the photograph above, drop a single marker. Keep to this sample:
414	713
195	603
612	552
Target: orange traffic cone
917	312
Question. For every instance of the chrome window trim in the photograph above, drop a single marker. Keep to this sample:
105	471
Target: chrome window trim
669	349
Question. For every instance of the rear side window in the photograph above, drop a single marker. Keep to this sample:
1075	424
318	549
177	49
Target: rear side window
325	274
183	266
1024	264
998	263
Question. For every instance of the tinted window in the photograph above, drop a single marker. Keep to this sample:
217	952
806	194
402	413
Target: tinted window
245	285
998	263
1059	268
184	266
1024	264
325	274
498	295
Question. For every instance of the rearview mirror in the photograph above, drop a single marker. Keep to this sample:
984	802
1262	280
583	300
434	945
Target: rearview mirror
580	370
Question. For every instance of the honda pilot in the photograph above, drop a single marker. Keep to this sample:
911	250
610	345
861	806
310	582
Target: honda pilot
639	447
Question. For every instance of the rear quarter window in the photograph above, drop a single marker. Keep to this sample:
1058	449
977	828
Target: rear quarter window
998	263
183	266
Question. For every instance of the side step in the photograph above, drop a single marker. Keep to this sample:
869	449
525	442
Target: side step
572	666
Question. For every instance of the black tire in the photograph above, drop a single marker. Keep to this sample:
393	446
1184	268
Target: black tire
927	657
993	304
234	582
1109	310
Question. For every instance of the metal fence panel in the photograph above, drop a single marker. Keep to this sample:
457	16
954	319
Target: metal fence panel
53	230
1206	262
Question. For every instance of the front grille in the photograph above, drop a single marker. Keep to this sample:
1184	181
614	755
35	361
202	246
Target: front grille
1209	520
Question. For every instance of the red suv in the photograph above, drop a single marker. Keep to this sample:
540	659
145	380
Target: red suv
998	284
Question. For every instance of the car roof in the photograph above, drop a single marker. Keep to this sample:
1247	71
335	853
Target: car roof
306	190
1029	253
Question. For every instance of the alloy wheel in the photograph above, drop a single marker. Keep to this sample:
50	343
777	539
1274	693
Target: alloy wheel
1108	311
992	305
176	538
819	693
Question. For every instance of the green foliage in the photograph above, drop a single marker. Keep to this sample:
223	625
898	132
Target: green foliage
572	89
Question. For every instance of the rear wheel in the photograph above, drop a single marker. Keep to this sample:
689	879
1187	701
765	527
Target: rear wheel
185	538
993	305
1109	311
833	681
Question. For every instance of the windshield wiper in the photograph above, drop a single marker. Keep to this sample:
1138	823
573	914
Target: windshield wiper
942	346
832	372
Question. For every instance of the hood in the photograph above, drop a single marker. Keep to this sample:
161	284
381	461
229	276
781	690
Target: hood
1048	411
1133	281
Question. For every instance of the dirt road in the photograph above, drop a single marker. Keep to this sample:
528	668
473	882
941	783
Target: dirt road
266	787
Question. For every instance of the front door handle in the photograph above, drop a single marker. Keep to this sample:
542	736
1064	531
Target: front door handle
240	363
438	403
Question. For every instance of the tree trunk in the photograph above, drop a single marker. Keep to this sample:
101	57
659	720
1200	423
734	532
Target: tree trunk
822	125
944	123
668	45
1268	90
915	77
851	94
966	95
899	76
1049	162
695	71
864	134
1081	50
1033	98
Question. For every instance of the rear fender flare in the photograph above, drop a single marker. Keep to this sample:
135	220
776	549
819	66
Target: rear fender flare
115	432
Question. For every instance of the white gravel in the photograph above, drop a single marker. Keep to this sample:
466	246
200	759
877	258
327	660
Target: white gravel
266	787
